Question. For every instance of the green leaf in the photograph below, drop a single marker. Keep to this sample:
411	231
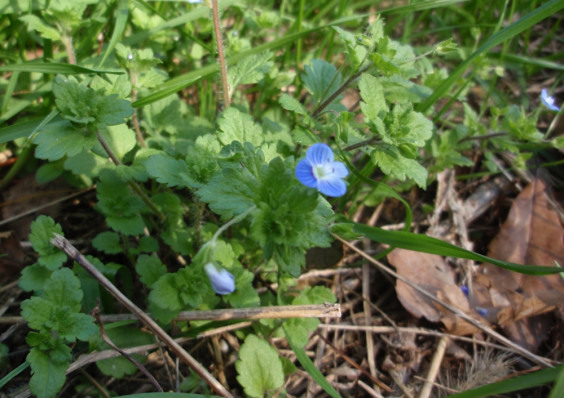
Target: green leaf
321	79
249	70
107	242
290	103
374	106
33	277
167	170
42	230
84	105
427	244
301	327
393	163
238	126
37	312
63	288
150	269
47	375
61	138
123	337
36	23
121	208
259	368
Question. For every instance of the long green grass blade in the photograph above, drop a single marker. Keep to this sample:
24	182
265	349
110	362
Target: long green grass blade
13	373
427	244
54	68
25	129
539	378
309	366
122	14
532	18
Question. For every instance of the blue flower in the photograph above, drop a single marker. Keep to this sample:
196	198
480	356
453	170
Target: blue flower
319	170
222	281
194	1
548	101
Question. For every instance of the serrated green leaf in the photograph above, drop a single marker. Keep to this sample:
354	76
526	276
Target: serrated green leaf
392	163
167	170
109	242
84	105
42	230
61	138
63	288
321	79
374	106
33	277
291	104
249	70
259	368
46	31
37	312
150	269
48	376
86	163
238	126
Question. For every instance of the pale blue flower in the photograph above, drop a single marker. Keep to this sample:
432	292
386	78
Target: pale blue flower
222	281
548	101
319	170
195	1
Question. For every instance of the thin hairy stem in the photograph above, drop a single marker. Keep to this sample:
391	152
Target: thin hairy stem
220	54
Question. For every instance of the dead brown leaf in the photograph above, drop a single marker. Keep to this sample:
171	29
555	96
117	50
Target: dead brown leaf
431	273
532	234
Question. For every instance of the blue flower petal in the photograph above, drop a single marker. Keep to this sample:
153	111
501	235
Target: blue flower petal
319	154
548	101
304	173
333	187
222	281
340	169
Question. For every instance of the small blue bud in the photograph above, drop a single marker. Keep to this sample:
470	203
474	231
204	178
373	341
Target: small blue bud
482	311
464	290
548	101
222	281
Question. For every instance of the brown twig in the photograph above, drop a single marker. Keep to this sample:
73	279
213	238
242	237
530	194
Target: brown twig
96	314
71	251
434	368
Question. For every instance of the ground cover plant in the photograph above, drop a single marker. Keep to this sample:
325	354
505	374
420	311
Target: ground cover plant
256	198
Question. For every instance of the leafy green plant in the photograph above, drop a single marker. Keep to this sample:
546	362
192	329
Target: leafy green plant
204	206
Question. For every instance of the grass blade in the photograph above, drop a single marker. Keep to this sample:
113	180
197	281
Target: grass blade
427	244
532	18
54	68
122	14
539	378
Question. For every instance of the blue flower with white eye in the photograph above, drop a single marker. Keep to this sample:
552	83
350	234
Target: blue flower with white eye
548	101
319	170
222	281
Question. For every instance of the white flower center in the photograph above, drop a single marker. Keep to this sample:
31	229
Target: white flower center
322	171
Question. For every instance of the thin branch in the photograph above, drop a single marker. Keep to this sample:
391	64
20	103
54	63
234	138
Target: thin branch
72	252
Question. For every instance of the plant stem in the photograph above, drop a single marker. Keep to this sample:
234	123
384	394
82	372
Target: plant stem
220	54
131	183
135	116
234	220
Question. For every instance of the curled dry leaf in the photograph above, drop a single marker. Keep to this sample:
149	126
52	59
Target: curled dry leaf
431	273
532	234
